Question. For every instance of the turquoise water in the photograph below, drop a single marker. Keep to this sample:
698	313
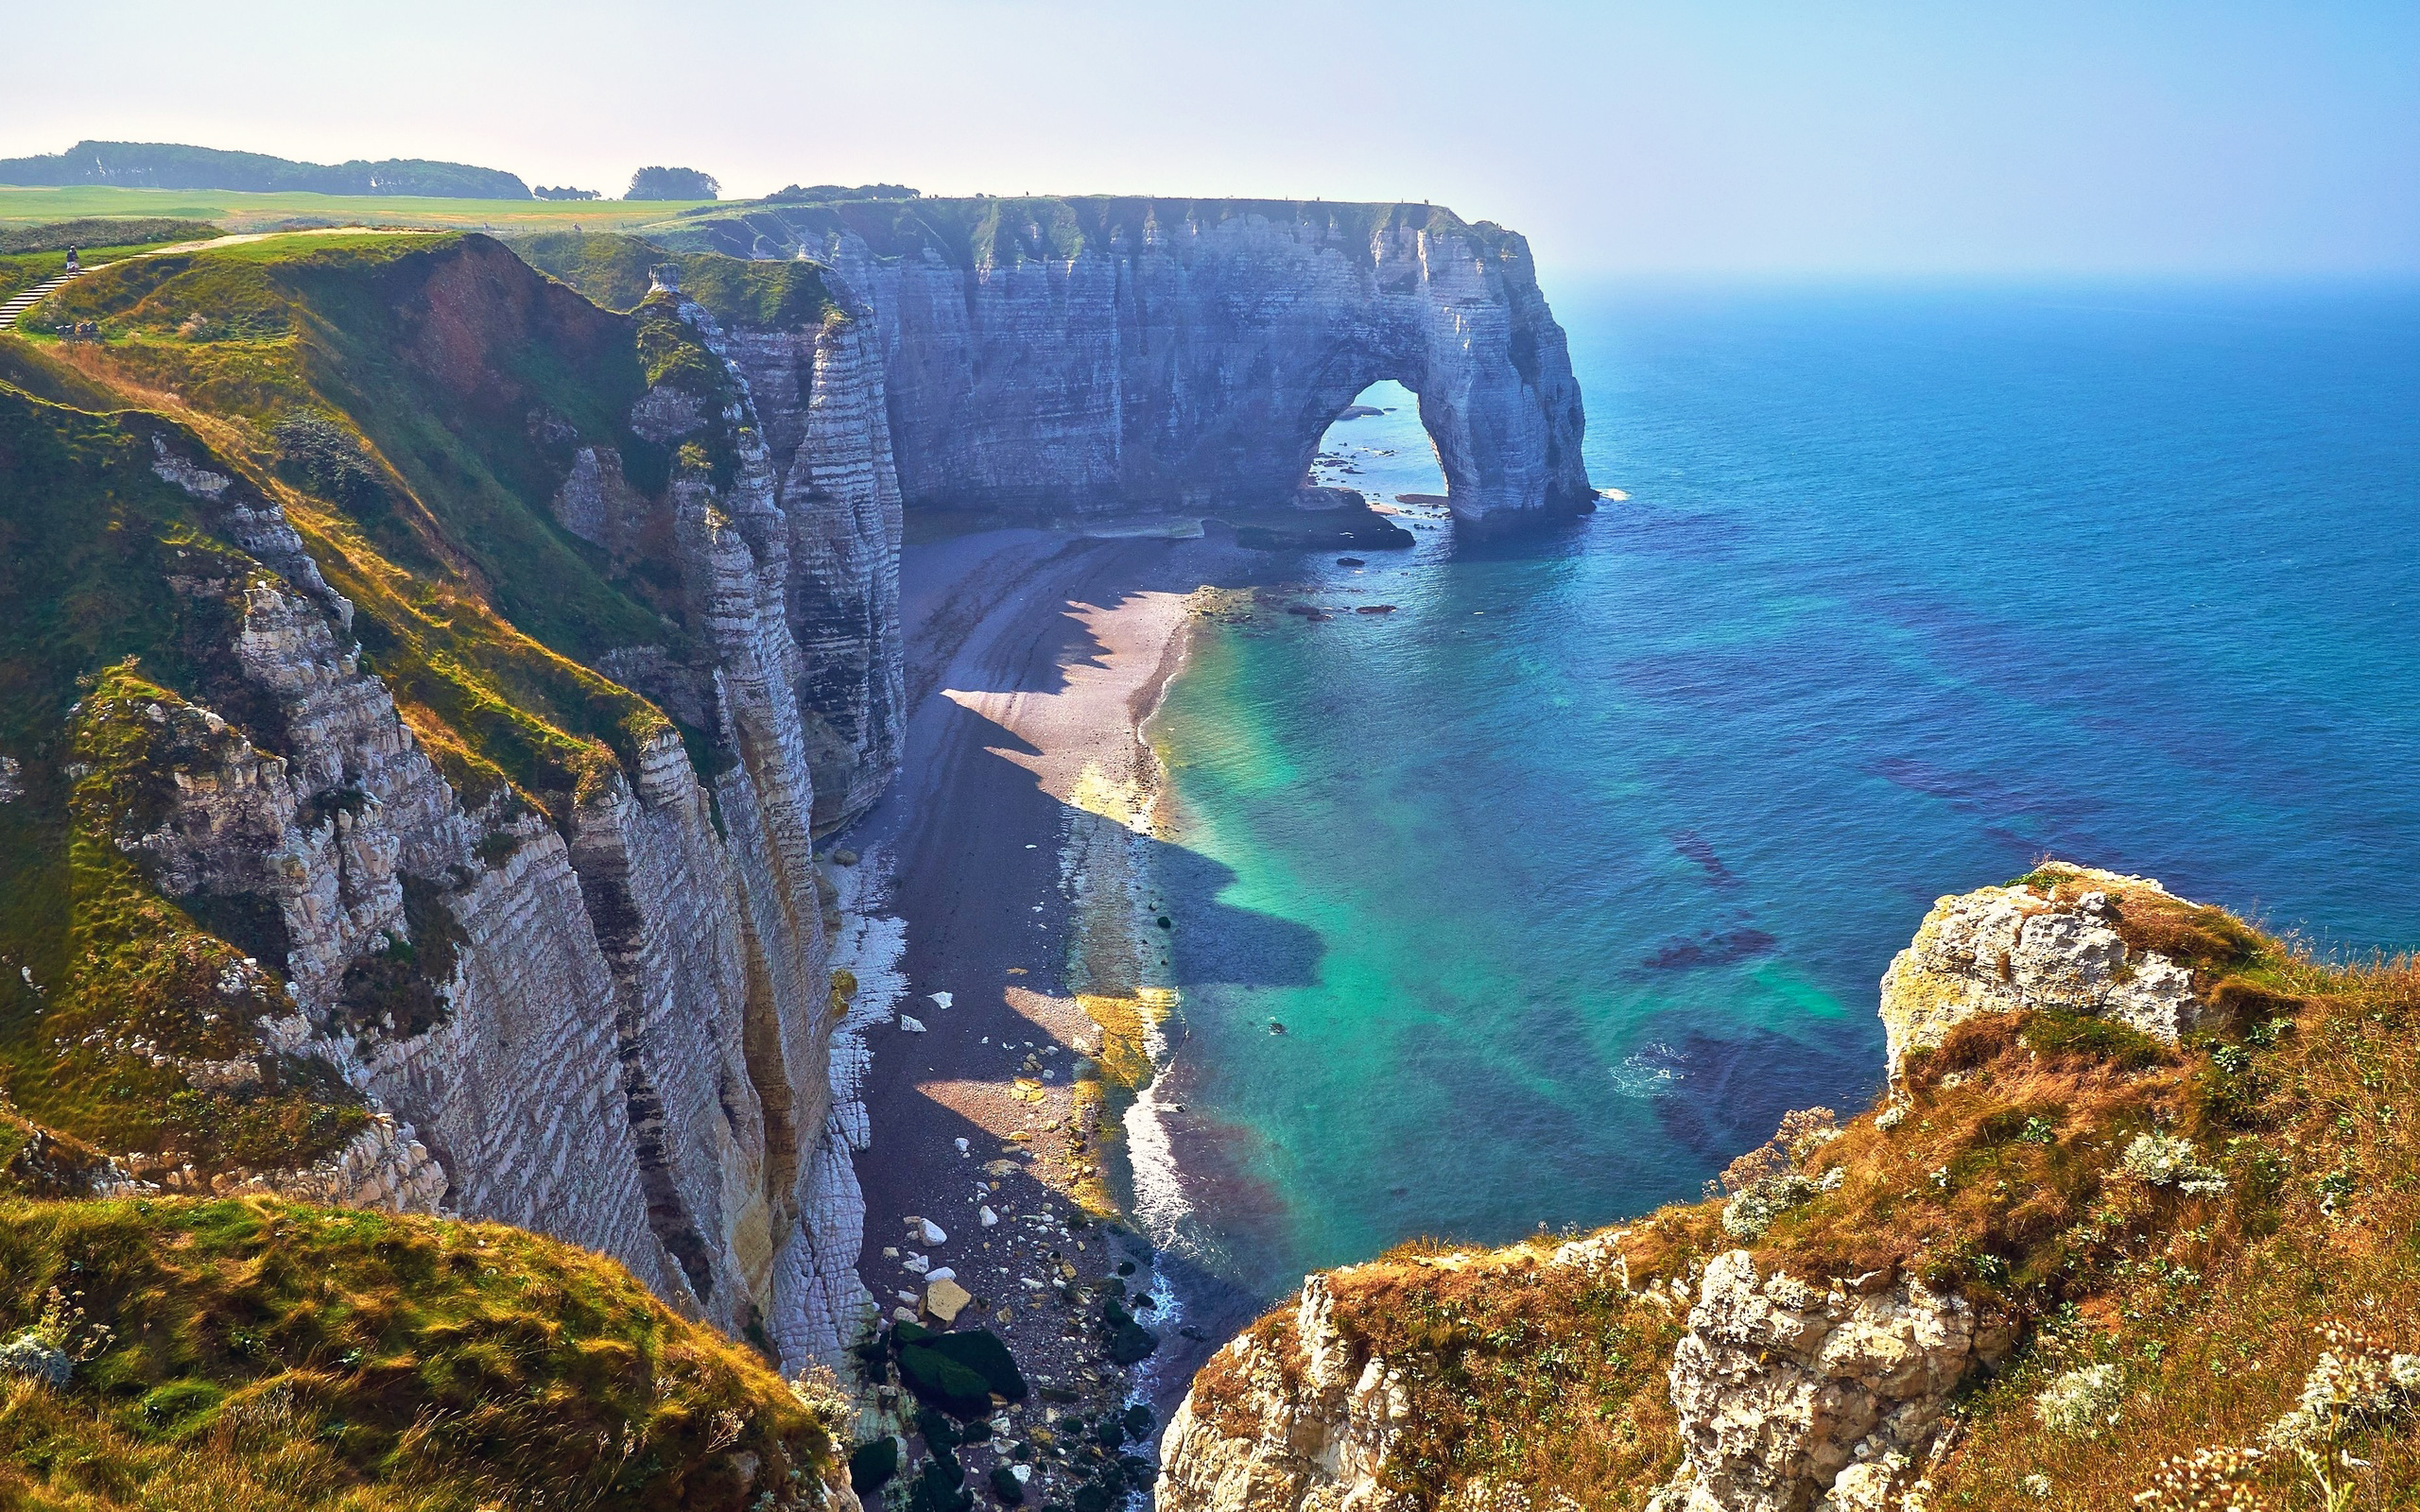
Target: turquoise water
1570	875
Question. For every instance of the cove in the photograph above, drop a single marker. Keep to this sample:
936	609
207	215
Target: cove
1603	838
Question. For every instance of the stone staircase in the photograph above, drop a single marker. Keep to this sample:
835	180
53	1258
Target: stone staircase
25	299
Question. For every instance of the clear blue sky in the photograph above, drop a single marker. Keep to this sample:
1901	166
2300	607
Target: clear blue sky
1710	135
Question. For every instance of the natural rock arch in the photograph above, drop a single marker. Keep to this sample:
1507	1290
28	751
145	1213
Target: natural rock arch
1085	354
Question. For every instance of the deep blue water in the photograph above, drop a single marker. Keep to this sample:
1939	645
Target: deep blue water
1573	873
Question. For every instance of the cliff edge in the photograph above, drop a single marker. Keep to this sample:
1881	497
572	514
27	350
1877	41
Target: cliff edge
2130	1228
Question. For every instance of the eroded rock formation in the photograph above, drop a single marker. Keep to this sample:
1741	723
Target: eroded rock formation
613	1022
1099	354
1999	949
1794	1396
1322	1419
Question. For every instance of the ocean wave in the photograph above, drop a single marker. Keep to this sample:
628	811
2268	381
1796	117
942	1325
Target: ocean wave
1650	1070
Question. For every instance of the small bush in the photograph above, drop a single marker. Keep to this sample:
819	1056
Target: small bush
316	451
2074	1037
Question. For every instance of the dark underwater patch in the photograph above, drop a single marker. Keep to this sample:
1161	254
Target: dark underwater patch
1685	953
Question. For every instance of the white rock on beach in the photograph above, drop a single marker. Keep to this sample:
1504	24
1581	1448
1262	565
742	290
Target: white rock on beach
985	1216
932	1233
962	1145
908	1025
941	1000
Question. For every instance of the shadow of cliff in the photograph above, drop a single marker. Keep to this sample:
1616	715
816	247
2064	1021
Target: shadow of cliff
972	859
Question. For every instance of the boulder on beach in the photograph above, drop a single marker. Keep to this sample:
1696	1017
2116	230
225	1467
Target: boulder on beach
1132	1344
944	1298
959	1373
873	1465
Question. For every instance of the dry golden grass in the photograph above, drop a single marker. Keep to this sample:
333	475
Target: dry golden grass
2213	1315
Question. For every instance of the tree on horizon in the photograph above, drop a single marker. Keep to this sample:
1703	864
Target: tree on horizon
672	183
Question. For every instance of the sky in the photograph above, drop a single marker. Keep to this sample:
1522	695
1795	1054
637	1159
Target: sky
1711	136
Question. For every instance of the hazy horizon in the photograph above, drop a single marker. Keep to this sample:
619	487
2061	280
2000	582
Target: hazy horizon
1878	140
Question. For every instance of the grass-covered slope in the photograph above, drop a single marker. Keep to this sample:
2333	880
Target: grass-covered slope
2180	1235
409	403
101	562
30	254
174	1354
414	402
614	270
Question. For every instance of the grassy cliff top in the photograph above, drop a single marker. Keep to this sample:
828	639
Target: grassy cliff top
990	231
2197	1224
105	231
614	270
39	252
413	401
282	1358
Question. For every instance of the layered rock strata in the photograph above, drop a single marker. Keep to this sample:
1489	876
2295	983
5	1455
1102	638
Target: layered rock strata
630	1040
815	504
1100	354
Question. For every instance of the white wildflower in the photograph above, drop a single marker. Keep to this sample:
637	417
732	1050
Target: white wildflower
2169	1160
1752	1209
2356	1378
2080	1400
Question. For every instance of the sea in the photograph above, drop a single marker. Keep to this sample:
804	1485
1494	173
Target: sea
1531	900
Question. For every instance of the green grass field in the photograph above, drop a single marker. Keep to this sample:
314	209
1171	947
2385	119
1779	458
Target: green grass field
243	212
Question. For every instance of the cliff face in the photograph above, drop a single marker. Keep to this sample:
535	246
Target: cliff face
2119	1235
1096	353
519	957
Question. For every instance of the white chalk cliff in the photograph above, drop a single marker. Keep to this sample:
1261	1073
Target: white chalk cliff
1100	354
632	1047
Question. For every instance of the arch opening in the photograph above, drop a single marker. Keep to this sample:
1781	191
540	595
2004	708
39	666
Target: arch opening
1379	446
